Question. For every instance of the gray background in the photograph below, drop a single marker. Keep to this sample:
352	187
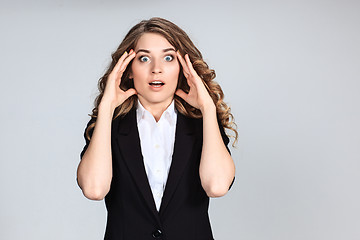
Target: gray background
289	70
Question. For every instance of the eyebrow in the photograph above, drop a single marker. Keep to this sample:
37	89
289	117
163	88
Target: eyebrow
164	50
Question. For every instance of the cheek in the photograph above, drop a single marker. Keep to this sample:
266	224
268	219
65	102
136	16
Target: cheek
174	71
139	73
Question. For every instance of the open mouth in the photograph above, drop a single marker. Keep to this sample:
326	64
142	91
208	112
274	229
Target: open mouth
156	83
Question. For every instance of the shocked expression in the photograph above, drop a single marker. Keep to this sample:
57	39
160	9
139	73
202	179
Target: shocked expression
155	69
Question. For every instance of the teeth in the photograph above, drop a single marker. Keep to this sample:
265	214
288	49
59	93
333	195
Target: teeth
156	83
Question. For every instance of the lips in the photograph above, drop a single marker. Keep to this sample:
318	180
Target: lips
156	83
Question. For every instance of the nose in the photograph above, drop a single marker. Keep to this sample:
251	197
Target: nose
156	67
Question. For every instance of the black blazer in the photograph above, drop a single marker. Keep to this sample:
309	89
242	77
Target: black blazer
132	214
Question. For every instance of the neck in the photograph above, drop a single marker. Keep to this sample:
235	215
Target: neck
156	109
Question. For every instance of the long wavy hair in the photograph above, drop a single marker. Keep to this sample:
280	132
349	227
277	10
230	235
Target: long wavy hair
180	40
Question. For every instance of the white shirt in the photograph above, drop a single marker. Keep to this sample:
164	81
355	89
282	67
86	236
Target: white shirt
157	145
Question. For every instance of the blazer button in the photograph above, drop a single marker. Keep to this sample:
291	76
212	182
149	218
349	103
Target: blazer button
157	233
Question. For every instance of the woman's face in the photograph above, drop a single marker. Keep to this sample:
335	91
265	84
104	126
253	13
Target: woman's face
155	70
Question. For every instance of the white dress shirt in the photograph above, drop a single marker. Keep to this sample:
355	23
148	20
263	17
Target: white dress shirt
157	145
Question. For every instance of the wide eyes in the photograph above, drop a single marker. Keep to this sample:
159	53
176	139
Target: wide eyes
167	58
144	59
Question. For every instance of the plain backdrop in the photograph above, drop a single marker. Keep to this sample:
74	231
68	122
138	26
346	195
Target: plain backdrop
290	72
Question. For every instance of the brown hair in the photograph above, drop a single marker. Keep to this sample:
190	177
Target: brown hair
180	40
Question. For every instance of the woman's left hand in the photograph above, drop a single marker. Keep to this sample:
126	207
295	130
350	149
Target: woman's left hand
198	96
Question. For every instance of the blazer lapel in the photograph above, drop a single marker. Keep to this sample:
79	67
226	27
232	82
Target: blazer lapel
183	146
129	143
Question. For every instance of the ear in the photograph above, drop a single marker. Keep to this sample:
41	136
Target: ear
130	75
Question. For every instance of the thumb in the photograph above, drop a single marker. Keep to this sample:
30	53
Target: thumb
130	92
181	94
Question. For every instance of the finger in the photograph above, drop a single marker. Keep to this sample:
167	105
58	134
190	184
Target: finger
114	75
127	60
183	64
181	94
123	66
130	92
120	61
189	65
190	82
196	78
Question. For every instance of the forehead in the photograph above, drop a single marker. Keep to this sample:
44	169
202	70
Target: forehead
152	41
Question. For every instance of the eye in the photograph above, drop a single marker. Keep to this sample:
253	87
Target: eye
169	58
144	59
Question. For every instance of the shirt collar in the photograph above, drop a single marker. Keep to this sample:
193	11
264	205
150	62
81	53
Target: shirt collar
169	114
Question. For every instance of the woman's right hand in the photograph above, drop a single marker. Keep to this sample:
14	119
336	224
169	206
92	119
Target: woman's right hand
113	94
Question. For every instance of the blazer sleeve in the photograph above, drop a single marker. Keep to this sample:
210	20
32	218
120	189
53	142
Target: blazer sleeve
226	142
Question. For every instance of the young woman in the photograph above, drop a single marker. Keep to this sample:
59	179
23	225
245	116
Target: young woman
155	148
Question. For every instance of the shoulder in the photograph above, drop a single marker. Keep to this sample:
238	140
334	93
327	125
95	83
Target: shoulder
195	125
189	124
123	123
196	122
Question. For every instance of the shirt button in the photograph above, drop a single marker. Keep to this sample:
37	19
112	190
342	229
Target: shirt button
157	145
157	233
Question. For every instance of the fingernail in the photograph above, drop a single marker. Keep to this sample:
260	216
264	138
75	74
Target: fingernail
131	51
